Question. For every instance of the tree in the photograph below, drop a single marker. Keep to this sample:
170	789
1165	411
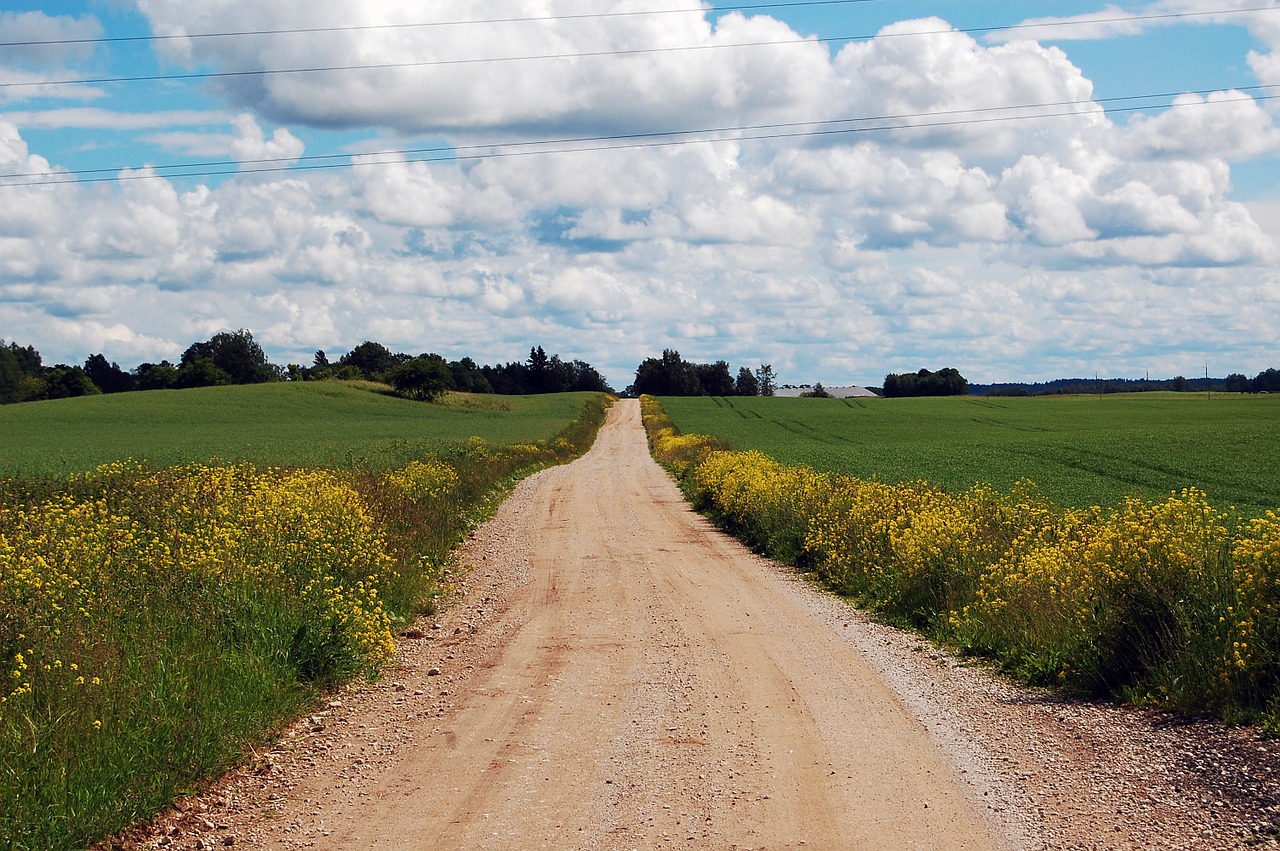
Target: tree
237	355
20	374
1236	383
746	384
28	359
425	377
539	371
817	392
65	382
373	360
155	376
765	380
11	376
715	378
587	378
1267	381
944	382
201	372
468	377
108	377
669	375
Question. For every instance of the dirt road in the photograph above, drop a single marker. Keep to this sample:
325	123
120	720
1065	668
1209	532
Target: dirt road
655	687
620	675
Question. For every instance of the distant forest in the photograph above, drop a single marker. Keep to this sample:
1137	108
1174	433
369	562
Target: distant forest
236	358
1267	381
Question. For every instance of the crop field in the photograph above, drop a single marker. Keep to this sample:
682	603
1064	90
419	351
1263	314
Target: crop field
322	423
1079	450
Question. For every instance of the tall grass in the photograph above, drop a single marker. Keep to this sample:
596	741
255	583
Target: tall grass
1168	602
155	621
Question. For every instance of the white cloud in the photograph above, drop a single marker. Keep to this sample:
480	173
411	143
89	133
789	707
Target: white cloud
96	118
637	91
1228	124
24	67
1112	20
251	147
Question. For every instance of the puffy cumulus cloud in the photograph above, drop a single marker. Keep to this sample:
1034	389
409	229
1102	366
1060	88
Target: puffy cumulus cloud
1226	124
400	193
1265	63
583	295
1171	214
920	74
252	147
26	211
899	198
438	85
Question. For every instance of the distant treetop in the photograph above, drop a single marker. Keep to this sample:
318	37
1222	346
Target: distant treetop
944	382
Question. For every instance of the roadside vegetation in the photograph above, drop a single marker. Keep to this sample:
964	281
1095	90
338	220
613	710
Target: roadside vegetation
159	618
1170	602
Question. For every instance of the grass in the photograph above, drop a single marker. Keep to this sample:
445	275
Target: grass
316	424
1080	450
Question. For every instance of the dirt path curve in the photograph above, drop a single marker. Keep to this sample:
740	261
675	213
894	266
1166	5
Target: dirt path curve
617	674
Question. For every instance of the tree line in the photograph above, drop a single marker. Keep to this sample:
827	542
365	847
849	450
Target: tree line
672	375
1266	381
236	358
945	382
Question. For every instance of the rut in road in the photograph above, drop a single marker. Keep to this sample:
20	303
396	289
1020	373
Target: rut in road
655	687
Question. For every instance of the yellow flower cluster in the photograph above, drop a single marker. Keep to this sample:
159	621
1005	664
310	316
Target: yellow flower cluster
678	452
236	534
56	561
426	480
1255	651
765	502
1078	589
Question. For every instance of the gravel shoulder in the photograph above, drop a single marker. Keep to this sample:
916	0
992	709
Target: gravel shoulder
615	673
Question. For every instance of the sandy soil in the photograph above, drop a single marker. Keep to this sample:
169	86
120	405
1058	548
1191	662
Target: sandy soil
620	675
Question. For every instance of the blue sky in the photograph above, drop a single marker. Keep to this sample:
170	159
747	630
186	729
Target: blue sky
1009	246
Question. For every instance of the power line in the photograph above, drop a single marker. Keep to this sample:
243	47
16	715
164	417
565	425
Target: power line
798	4
585	144
210	75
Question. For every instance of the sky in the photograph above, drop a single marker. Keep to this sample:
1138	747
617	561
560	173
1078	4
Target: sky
839	188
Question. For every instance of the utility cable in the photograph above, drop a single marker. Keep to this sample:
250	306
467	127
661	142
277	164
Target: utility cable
584	144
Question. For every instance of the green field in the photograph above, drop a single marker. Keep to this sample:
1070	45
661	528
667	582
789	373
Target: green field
287	424
1080	450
